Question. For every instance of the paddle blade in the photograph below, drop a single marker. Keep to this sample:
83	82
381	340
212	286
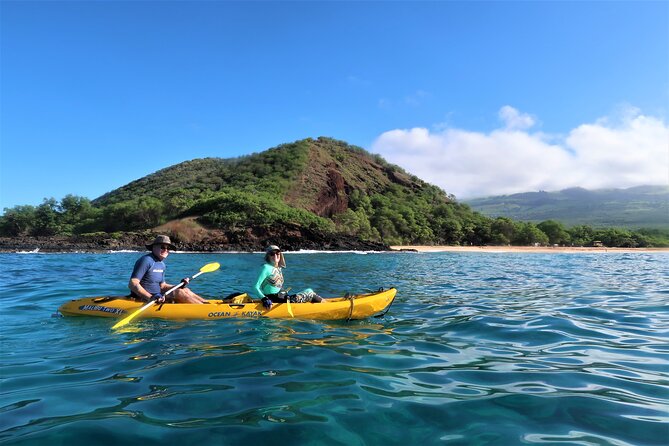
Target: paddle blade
126	320
210	267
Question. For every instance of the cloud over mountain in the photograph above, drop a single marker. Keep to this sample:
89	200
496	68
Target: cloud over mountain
623	151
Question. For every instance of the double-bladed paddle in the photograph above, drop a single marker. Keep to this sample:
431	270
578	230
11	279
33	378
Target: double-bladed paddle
208	268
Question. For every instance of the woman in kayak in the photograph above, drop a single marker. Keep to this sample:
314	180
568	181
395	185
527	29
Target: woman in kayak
147	280
270	281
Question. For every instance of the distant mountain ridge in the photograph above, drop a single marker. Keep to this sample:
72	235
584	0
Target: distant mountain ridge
635	207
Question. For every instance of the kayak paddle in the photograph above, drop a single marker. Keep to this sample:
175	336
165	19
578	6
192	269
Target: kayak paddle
208	268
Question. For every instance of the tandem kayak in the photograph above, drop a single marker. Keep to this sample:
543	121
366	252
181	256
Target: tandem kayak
358	306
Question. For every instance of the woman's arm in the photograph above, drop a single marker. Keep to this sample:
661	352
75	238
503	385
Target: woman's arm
264	272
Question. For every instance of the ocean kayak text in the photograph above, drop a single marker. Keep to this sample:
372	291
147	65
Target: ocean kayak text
230	314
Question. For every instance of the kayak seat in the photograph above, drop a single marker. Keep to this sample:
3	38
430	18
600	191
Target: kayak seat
237	298
107	299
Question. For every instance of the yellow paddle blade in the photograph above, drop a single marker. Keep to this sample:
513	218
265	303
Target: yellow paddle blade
210	267
290	310
127	319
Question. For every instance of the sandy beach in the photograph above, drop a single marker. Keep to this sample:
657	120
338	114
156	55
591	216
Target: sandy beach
525	249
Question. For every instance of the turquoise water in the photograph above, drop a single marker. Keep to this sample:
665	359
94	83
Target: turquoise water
498	349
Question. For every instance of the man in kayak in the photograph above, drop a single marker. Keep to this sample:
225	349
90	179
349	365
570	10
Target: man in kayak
270	280
147	280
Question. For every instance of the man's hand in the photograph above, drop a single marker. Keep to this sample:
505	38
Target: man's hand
185	281
267	302
158	297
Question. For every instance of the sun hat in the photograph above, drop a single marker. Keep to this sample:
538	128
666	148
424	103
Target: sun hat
161	240
273	248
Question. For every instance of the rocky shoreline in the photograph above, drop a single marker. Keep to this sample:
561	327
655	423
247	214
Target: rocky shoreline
290	238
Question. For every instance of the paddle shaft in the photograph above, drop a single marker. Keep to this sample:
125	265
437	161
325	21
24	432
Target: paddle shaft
182	283
174	288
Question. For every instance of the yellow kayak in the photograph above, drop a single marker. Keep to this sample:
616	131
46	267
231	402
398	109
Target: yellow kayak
359	306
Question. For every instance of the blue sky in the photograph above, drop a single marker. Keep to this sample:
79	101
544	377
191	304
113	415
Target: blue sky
477	97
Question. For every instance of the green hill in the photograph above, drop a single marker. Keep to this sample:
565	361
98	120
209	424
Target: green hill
316	175
636	207
320	183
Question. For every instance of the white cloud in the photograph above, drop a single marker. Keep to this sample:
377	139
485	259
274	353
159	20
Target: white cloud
514	119
631	151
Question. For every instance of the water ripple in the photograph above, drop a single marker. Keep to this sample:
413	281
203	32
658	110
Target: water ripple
477	349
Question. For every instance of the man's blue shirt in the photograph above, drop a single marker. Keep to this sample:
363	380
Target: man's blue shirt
150	271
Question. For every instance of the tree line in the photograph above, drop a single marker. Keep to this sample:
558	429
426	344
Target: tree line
395	217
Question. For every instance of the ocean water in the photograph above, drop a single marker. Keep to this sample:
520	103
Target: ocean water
477	349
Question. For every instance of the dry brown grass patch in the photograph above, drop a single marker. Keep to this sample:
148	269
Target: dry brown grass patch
186	229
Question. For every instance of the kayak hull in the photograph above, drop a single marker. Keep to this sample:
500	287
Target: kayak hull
358	306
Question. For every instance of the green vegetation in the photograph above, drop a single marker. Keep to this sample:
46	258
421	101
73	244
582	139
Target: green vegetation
234	209
73	215
324	184
181	186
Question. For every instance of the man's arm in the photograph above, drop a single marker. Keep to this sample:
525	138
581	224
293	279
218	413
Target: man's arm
137	289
